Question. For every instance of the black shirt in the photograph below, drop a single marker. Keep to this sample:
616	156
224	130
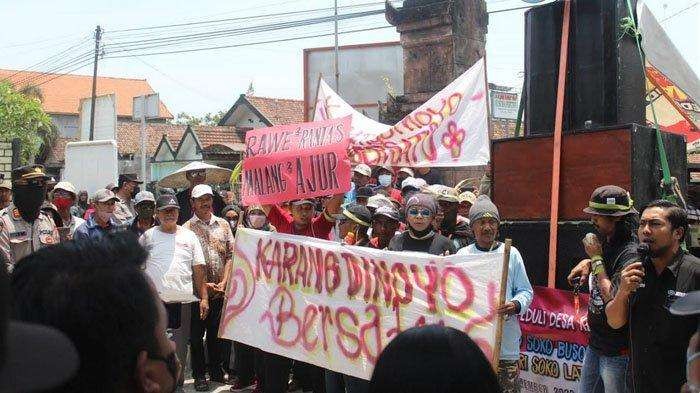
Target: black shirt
436	244
602	338
432	177
660	339
183	199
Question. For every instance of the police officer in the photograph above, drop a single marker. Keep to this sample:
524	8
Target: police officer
24	228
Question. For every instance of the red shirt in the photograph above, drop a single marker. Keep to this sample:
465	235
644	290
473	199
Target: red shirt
320	227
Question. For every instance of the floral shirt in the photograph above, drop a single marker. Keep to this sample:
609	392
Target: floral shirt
217	244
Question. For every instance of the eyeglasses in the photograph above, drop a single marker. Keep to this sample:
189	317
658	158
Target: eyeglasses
415	212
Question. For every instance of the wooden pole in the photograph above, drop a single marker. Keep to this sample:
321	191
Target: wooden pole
501	301
556	150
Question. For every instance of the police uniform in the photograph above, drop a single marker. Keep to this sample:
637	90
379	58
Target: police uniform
19	238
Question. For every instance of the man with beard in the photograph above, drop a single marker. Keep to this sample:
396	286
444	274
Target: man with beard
647	289
485	220
614	248
24	228
446	221
102	221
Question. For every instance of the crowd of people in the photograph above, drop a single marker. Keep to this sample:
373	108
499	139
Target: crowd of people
129	280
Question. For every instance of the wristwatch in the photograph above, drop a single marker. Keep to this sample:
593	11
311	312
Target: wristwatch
597	265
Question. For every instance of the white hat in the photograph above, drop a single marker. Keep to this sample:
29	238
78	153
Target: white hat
379	200
213	173
4	183
65	186
201	190
363	169
144	196
416	183
407	171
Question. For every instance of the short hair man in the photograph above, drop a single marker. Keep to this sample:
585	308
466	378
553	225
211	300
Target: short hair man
385	223
175	261
124	209
96	293
63	197
612	215
449	226
102	220
658	340
484	219
215	236
195	177
145	207
5	193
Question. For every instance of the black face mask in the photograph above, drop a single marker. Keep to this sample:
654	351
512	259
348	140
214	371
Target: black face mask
28	200
145	211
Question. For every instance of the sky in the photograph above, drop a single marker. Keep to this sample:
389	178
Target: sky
211	81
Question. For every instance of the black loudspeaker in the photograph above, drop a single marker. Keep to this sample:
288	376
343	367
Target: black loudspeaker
605	78
531	238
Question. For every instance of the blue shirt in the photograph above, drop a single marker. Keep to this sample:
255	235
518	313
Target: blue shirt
91	230
518	289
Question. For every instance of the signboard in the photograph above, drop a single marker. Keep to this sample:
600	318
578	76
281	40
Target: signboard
91	165
292	161
504	105
152	106
367	73
338	306
555	336
449	130
105	118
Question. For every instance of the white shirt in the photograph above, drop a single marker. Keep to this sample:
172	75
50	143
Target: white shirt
171	257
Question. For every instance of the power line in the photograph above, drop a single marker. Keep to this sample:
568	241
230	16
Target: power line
49	60
249	43
36	76
678	13
85	63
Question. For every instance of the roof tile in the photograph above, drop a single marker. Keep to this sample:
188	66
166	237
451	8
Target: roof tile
279	110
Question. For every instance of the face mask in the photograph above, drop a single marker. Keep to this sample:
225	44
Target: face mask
145	211
257	221
62	203
28	200
384	180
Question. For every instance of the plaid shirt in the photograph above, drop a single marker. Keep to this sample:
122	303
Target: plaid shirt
217	244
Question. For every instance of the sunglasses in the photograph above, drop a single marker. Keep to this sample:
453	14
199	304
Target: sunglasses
415	212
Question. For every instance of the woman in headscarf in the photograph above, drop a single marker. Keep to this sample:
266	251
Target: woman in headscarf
420	235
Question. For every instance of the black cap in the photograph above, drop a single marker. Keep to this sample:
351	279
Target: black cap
358	213
130	177
26	173
610	201
167	201
365	192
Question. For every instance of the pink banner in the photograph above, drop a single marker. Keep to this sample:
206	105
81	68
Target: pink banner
555	336
296	161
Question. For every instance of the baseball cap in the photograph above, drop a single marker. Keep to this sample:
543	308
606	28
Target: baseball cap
363	169
104	195
201	190
65	186
389	212
130	177
407	171
444	193
365	192
467	196
610	200
377	201
144	196
4	183
358	213
305	201
166	202
413	182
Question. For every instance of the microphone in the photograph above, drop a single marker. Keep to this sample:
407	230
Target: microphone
643	251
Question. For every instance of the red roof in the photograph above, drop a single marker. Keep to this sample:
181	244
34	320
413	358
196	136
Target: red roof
279	110
62	95
128	138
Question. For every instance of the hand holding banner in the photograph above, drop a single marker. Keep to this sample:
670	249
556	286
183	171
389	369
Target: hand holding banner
296	160
338	306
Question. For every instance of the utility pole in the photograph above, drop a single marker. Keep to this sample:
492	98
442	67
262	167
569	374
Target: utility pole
98	37
337	70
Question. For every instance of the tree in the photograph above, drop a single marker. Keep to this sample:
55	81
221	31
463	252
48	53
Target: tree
209	119
21	116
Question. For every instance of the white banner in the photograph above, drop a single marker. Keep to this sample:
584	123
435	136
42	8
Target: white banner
449	130
338	306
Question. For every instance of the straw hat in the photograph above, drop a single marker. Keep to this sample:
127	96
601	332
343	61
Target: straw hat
178	179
